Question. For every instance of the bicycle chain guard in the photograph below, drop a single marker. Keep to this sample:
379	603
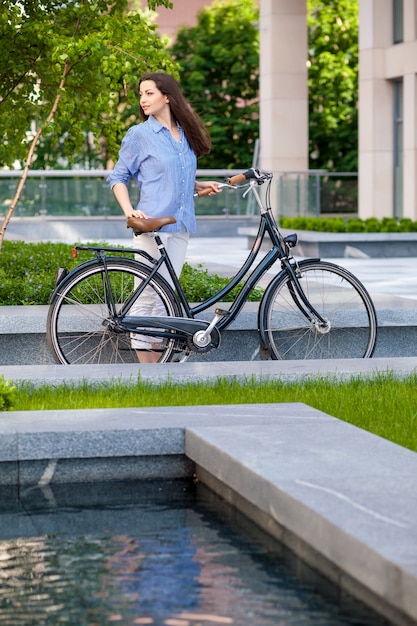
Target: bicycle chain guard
209	342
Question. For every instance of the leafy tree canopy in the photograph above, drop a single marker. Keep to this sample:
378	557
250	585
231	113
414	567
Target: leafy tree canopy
69	69
333	84
66	70
219	60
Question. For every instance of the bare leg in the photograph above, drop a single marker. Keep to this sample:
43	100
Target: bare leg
176	244
147	356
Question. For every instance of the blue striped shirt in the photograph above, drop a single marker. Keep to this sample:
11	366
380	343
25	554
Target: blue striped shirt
163	169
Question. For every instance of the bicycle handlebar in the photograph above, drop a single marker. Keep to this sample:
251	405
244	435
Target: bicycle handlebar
253	173
258	175
237	178
203	192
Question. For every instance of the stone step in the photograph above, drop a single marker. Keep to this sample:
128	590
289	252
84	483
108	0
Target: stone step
23	336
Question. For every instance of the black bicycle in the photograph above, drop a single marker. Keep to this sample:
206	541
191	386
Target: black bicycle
311	309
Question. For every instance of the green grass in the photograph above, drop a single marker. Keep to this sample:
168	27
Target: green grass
383	404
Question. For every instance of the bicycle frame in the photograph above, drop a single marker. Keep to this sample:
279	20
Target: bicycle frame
222	319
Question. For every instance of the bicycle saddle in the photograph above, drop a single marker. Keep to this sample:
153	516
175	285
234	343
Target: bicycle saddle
141	225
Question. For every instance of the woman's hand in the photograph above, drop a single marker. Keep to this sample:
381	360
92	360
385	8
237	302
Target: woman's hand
137	213
211	185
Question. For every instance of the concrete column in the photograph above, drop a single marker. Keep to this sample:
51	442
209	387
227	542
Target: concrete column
375	110
410	20
283	85
410	110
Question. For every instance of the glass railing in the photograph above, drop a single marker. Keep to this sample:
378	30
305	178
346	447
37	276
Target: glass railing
86	193
316	192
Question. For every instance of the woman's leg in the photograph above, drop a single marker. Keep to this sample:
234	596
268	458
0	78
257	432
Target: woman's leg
148	304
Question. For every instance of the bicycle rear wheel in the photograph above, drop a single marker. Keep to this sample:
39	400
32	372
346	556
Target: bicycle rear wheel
338	296
81	327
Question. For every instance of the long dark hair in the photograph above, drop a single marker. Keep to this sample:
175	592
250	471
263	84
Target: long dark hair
192	125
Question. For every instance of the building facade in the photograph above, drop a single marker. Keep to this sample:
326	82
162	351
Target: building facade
183	13
388	108
387	99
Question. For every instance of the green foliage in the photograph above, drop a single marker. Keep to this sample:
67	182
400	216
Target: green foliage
382	404
7	394
27	274
350	225
87	54
101	50
355	225
27	271
199	285
322	224
372	225
219	61
333	84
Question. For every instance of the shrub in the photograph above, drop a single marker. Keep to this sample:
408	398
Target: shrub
323	224
198	285
355	225
372	225
405	225
334	225
27	270
389	225
27	274
7	394
351	225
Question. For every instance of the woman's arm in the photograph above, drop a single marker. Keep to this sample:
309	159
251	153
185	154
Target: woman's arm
121	194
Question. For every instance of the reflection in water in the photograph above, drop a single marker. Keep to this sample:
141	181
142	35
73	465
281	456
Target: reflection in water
148	553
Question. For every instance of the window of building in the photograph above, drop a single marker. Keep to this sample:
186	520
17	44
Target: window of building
398	20
398	148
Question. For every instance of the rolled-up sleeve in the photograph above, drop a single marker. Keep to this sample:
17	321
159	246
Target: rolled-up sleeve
128	162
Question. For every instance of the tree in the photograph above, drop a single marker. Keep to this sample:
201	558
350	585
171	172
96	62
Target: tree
333	84
68	69
219	60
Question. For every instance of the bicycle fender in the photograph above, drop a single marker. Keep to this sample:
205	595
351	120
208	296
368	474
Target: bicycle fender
64	278
96	262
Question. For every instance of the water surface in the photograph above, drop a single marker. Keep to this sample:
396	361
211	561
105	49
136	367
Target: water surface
150	552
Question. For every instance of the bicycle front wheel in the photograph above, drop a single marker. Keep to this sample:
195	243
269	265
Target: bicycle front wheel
339	297
83	325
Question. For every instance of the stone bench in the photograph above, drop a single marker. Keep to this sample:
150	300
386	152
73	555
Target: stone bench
342	245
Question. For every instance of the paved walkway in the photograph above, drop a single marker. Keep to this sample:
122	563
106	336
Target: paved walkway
393	277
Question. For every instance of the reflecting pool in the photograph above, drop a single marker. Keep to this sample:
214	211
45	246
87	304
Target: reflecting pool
165	553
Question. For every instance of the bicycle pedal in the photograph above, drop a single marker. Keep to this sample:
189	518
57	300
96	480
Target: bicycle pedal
222	312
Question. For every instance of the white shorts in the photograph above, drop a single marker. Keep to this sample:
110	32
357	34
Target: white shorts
148	303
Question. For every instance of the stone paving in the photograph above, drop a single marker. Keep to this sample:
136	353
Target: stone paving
392	278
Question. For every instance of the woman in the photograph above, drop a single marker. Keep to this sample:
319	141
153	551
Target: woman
161	156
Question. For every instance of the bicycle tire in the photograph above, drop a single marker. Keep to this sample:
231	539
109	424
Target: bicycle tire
338	296
80	329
